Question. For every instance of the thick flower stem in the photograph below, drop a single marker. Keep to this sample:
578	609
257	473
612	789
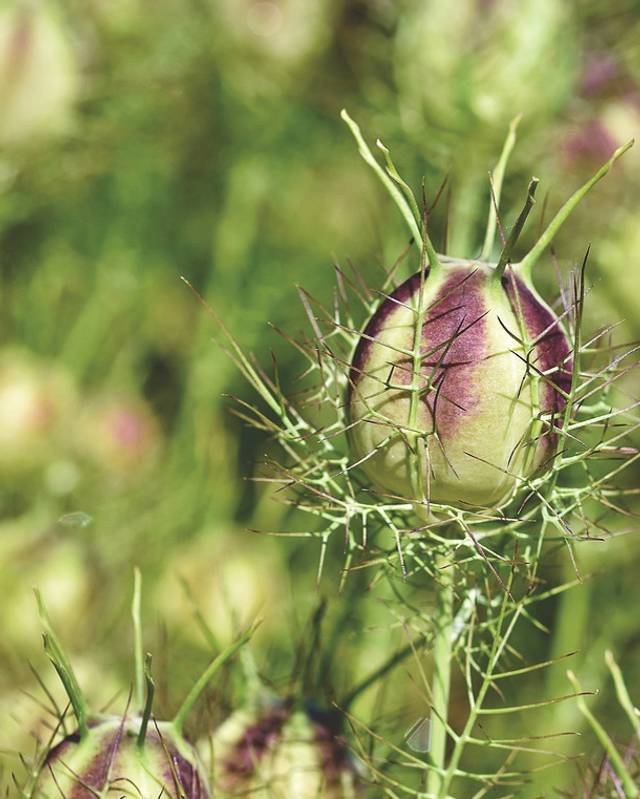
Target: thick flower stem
442	653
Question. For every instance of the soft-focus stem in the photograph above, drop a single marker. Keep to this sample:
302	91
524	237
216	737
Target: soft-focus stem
497	178
529	261
442	653
137	640
615	759
204	680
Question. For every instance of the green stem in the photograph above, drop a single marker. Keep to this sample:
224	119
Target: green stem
497	178
58	658
442	653
621	692
399	195
137	639
563	214
507	250
617	763
146	714
380	672
216	664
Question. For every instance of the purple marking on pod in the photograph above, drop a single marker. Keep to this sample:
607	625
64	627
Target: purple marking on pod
453	344
399	296
335	757
97	773
117	758
552	351
255	743
178	772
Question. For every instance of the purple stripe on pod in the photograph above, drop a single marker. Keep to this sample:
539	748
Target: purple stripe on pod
97	774
552	350
453	344
398	297
257	740
110	757
179	772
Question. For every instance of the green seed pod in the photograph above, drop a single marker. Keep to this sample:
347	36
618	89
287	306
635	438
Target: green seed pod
132	755
110	759
481	416
483	63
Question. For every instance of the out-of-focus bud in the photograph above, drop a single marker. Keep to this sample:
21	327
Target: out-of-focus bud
57	563
608	113
282	749
287	31
468	73
38	77
36	399
120	435
30	716
110	759
231	579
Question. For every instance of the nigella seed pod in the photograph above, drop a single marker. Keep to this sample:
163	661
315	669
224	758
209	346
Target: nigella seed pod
38	73
282	750
132	755
481	395
459	381
109	759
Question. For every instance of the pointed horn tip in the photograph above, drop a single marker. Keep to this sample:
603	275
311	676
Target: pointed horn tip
622	149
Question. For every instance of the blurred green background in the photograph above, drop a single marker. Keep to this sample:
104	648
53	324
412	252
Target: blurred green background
143	141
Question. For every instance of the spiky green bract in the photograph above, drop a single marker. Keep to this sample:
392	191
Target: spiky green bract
108	761
280	750
499	555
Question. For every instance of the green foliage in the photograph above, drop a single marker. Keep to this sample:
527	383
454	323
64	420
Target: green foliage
202	140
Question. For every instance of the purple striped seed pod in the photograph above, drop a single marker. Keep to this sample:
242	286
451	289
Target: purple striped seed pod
457	386
109	761
282	751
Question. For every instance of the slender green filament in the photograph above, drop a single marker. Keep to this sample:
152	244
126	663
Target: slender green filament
58	658
565	212
151	689
216	664
497	178
507	250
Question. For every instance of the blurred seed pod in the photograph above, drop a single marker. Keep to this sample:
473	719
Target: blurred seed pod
282	750
118	434
269	38
58	565
284	30
37	399
230	579
607	114
38	76
468	73
30	715
110	759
